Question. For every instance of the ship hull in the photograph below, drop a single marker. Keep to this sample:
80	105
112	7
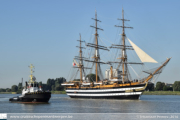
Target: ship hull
33	97
130	97
125	92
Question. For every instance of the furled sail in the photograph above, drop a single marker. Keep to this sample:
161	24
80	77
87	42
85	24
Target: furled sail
144	57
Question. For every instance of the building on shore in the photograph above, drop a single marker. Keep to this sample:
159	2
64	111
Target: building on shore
169	84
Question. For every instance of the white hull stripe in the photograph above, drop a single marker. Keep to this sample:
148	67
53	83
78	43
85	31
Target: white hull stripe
104	90
112	94
66	84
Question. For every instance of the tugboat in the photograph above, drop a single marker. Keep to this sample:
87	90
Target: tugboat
32	92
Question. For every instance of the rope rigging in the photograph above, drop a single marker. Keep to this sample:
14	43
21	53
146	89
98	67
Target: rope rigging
121	52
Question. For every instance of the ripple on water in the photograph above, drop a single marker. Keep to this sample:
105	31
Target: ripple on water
63	104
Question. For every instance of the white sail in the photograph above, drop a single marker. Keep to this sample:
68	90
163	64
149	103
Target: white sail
144	57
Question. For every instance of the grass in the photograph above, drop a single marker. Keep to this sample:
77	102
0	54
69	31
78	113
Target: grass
7	92
58	92
161	93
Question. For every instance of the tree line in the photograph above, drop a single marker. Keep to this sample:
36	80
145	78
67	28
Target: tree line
50	85
55	85
160	86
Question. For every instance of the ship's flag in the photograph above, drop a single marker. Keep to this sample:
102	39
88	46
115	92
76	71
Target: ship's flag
74	64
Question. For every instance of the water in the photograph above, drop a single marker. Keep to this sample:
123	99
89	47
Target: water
79	109
61	103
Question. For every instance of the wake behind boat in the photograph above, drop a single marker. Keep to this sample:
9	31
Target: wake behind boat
118	83
32	92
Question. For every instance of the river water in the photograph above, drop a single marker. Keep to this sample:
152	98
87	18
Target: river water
61	103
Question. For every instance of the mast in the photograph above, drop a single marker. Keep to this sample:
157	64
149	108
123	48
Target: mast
31	70
80	55
123	59
80	58
156	71
123	47
22	82
123	50
97	47
96	57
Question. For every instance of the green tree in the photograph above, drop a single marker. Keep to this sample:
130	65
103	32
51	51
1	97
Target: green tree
53	87
159	86
92	77
48	87
44	87
59	88
2	90
60	80
52	82
49	82
20	87
8	90
150	87
169	88
40	84
165	88
19	91
176	86
14	88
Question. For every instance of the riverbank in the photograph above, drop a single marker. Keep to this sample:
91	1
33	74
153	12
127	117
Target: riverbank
58	92
161	93
8	93
53	92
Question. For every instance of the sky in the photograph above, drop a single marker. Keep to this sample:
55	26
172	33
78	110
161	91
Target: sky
44	33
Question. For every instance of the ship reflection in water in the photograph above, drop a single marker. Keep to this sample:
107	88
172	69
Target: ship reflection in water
29	107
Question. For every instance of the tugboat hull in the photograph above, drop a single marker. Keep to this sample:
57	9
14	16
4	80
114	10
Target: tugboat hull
33	97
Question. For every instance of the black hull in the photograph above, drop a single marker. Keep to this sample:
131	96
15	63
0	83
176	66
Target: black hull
132	92
33	97
130	97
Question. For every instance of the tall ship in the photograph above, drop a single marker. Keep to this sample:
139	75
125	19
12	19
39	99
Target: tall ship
32	92
118	83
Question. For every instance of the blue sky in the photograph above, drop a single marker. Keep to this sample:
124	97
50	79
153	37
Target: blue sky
44	33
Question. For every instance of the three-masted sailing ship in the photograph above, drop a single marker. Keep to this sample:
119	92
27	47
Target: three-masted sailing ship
119	86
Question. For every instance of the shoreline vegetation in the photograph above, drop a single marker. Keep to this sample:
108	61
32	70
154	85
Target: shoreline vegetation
52	92
144	93
54	85
58	92
161	93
